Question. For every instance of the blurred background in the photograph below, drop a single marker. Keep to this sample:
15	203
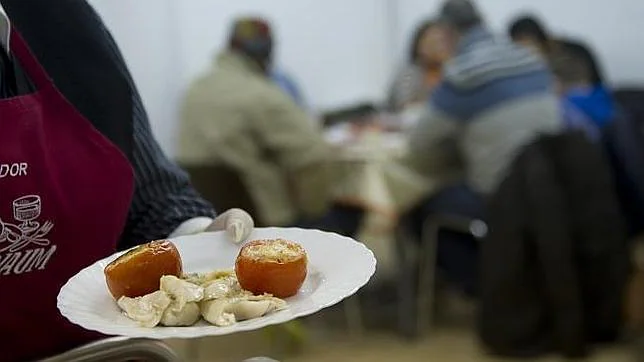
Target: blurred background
340	52
347	63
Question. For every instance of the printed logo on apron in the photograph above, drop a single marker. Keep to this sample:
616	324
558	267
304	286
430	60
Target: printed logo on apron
24	246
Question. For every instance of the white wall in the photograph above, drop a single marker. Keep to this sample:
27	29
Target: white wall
340	51
334	47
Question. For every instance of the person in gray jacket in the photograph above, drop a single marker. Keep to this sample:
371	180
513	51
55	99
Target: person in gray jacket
494	98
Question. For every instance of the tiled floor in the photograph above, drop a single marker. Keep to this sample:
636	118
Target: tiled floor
453	345
451	340
445	345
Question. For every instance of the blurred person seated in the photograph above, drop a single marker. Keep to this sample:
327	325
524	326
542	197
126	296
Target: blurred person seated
415	81
584	106
236	116
495	98
528	31
592	109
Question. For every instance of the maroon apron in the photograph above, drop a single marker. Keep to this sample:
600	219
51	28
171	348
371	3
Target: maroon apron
65	191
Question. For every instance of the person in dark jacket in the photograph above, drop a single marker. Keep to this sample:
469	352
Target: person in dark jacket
555	262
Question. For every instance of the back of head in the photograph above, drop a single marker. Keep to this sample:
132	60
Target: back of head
460	15
252	37
528	26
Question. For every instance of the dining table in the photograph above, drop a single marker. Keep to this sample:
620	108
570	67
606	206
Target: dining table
372	174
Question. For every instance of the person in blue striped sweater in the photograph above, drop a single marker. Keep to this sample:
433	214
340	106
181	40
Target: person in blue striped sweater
494	98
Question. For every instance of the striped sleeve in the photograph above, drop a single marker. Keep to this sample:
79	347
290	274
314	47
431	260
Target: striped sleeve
163	196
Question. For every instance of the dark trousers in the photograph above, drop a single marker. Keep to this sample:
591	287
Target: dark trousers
458	253
344	220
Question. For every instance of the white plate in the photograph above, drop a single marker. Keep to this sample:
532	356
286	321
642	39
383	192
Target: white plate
338	267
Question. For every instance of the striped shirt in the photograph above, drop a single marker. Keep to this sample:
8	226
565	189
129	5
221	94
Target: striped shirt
483	57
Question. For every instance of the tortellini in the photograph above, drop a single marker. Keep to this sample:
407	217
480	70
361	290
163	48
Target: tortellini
216	296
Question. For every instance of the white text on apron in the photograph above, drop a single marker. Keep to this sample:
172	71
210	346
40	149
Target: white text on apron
24	246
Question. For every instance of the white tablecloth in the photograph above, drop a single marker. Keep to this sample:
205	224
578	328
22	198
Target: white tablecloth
372	175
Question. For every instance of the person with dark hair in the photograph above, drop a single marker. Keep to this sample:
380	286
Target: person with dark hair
593	110
529	31
495	97
584	94
419	76
237	116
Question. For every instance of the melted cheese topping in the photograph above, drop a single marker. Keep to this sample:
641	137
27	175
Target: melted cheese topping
278	250
155	247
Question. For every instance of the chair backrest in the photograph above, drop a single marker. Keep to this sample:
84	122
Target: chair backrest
632	101
222	186
624	142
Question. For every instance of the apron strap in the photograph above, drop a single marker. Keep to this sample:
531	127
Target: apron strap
28	61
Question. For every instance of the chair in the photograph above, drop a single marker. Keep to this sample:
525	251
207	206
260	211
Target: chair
624	144
631	100
119	349
417	300
222	186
